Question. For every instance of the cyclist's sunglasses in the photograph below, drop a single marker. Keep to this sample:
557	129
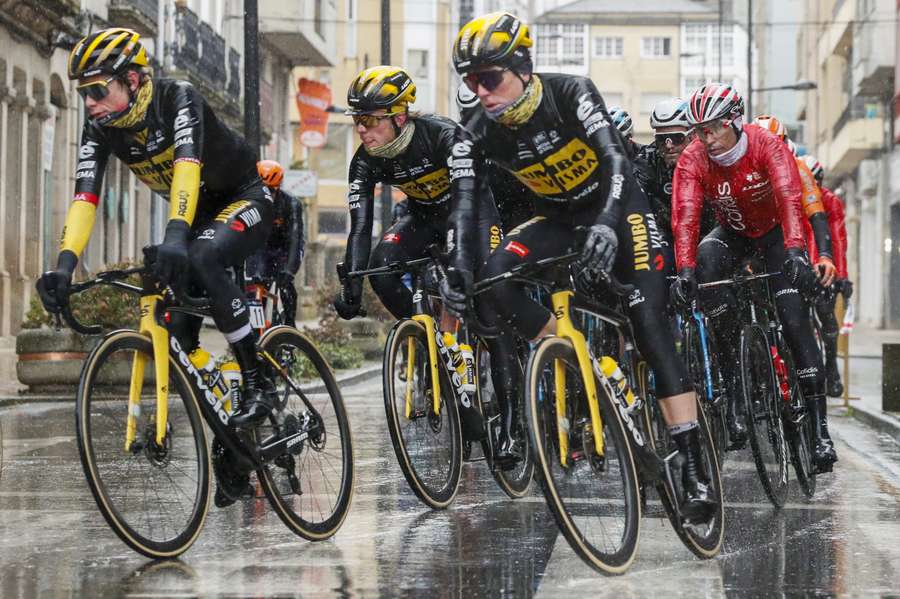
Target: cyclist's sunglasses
369	120
95	90
670	140
489	80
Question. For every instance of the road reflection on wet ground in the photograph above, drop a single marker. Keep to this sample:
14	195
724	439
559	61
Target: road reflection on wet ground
54	542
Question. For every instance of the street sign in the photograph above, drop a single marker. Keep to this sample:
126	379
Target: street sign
300	183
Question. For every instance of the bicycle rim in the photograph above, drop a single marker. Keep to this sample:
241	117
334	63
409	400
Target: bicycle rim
428	445
154	497
310	486
595	503
765	428
515	482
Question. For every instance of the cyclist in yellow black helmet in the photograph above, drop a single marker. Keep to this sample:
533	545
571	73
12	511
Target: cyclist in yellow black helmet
171	139
411	152
554	133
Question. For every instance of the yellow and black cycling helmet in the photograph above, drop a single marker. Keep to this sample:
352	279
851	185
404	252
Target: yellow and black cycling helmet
108	51
382	87
498	38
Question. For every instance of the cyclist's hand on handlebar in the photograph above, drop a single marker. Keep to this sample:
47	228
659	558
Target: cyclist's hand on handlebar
798	270
684	288
53	287
825	271
599	251
171	262
456	288
349	301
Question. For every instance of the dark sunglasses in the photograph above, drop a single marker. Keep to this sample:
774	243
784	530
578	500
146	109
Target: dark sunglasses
670	140
369	120
489	80
95	90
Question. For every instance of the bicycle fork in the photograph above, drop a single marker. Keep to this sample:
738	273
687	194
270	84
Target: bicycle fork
159	337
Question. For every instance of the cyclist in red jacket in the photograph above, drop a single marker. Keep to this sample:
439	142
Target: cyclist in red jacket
825	302
752	181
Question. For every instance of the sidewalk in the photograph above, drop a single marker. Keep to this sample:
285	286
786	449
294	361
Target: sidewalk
865	381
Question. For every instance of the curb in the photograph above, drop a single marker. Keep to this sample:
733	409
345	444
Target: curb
883	423
345	380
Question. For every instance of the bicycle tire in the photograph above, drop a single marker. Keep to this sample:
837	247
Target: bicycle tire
693	358
708	544
799	434
439	492
307	464
763	411
89	422
542	423
516	482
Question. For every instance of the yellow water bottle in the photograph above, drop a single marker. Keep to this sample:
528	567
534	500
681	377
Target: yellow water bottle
613	373
468	360
231	373
456	356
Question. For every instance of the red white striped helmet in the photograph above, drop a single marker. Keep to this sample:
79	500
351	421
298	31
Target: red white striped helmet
815	167
714	101
772	125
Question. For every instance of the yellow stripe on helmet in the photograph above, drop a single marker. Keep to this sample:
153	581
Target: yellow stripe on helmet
90	49
110	47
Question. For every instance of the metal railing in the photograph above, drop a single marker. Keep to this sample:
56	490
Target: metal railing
147	8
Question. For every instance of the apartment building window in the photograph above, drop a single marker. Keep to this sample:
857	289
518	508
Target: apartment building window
649	100
690	84
318	20
656	47
702	40
561	45
608	47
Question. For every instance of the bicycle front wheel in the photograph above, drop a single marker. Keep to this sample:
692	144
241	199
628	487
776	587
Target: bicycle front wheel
593	495
154	496
765	427
310	485
428	445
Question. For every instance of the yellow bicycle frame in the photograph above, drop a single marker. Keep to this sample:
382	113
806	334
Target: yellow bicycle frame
566	329
428	322
159	336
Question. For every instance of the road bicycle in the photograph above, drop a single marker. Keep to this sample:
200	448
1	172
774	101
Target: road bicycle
596	444
779	428
145	452
425	388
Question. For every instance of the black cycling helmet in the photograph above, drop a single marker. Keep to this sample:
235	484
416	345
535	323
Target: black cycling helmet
382	87
496	39
110	51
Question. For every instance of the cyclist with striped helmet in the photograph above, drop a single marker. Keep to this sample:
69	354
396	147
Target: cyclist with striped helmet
750	178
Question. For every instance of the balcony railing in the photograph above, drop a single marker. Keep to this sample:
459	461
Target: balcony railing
234	74
140	15
858	108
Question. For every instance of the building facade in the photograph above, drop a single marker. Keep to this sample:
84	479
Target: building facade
848	48
640	53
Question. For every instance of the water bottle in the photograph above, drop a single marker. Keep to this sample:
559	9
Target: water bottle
468	359
231	373
456	356
205	363
613	373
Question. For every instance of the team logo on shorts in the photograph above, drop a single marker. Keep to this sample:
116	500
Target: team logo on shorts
391	238
516	248
237	225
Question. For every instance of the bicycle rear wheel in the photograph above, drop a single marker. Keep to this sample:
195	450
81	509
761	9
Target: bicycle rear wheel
310	485
428	445
595	500
763	408
154	497
514	482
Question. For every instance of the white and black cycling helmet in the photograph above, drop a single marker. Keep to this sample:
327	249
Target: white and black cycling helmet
714	101
815	167
669	113
466	99
622	120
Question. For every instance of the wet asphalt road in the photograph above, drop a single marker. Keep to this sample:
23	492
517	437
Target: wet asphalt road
54	542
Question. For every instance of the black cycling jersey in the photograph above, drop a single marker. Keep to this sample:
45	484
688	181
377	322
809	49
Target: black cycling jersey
420	172
287	237
568	154
179	125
